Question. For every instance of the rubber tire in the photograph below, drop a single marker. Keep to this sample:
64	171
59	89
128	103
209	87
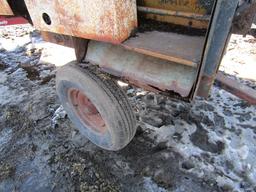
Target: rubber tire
108	98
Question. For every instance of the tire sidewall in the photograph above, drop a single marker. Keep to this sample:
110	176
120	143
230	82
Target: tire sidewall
98	97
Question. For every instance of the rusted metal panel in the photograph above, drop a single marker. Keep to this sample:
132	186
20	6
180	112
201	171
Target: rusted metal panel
59	39
103	20
192	13
5	8
206	83
183	21
236	88
193	6
142	70
174	13
179	48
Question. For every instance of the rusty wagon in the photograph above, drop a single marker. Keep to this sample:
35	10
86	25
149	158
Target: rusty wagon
172	47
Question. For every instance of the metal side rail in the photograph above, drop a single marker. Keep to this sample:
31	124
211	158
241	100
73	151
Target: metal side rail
238	89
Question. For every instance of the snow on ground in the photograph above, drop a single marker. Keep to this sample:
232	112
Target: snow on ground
239	61
204	146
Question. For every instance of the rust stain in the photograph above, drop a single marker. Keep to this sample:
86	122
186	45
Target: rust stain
177	5
180	12
194	23
111	21
148	85
58	39
5	8
236	88
205	85
142	70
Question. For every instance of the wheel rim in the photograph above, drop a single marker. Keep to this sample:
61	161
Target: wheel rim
86	111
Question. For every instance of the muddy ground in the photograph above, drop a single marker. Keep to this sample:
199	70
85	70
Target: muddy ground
203	146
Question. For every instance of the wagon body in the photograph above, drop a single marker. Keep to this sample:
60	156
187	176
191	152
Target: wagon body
172	47
5	8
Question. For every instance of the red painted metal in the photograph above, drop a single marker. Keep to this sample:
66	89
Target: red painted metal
4	21
86	111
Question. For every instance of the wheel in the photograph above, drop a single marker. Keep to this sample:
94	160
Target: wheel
96	105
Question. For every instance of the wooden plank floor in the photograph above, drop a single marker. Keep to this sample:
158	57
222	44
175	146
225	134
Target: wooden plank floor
169	46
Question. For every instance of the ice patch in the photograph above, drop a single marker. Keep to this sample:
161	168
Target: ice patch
45	73
8	95
3	77
228	184
56	54
151	186
11	45
19	74
60	113
227	121
5	95
184	146
5	137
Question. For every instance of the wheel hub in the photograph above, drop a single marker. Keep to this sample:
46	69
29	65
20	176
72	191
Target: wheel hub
86	111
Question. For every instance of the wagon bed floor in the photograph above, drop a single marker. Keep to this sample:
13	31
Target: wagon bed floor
179	48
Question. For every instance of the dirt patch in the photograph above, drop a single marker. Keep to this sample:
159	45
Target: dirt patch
2	66
32	71
6	171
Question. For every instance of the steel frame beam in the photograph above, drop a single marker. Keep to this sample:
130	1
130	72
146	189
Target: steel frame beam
217	40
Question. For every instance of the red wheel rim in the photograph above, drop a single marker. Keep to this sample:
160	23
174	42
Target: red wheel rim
86	111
